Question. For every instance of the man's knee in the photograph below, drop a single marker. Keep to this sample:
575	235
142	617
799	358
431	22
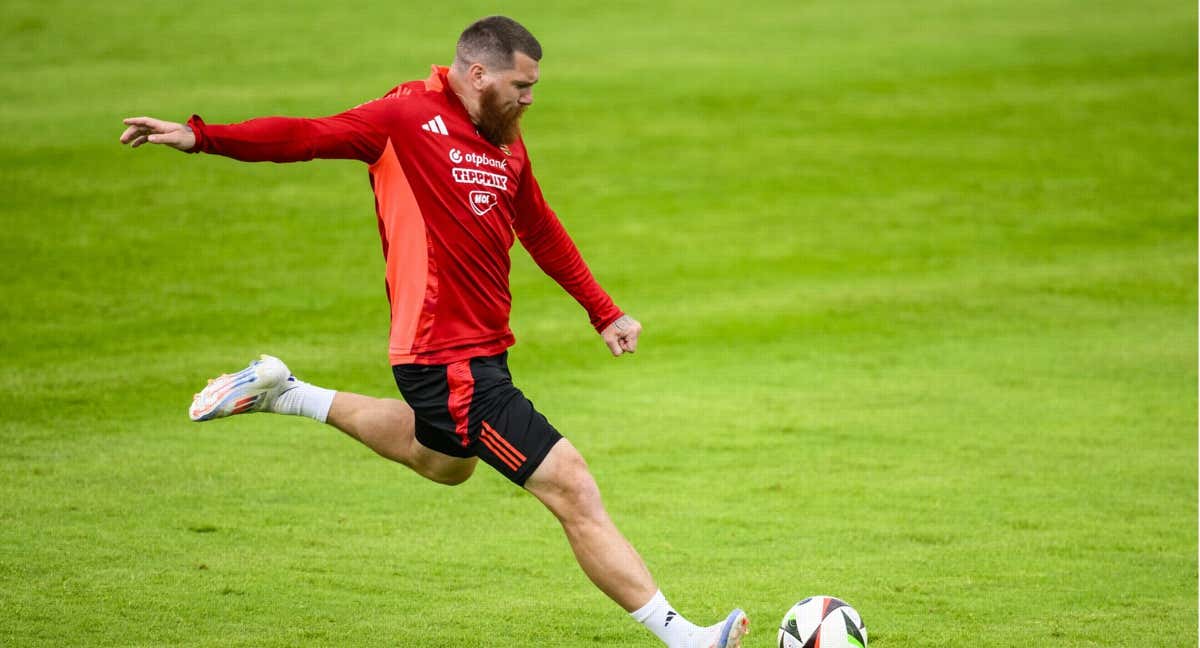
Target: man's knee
438	468
452	477
568	487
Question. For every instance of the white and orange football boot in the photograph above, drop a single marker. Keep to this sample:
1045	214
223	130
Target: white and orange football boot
250	390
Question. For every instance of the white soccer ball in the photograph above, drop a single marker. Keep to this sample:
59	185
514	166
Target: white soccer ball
822	621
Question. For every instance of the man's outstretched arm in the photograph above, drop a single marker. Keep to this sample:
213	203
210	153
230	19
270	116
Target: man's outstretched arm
354	134
547	241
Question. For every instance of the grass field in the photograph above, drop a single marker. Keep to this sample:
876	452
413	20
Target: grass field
918	282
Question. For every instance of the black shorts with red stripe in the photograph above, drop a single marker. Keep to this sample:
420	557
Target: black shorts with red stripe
471	408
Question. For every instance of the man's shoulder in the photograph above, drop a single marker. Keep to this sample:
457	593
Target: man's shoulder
408	89
433	86
400	99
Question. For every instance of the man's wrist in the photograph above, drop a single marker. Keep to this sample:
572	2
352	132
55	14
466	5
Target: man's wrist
608	321
193	125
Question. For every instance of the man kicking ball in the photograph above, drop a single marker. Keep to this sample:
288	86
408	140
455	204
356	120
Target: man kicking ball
453	186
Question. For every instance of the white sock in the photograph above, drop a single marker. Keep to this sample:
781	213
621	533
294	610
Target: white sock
302	399
668	625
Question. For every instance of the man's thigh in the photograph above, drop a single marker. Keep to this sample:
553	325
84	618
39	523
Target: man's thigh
472	409
441	467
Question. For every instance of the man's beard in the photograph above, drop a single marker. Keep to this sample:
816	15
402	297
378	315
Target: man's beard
498	124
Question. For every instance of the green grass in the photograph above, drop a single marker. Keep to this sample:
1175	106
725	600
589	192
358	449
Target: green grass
918	282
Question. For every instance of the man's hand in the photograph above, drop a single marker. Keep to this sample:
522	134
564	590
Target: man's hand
621	336
156	131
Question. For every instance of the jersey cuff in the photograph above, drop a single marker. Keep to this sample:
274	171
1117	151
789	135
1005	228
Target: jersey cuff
197	125
607	322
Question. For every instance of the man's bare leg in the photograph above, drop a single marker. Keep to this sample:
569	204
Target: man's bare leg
565	485
562	482
385	425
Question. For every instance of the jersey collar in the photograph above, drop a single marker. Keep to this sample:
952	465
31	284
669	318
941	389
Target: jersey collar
438	82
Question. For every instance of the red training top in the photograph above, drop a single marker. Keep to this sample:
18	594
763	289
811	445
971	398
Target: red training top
448	203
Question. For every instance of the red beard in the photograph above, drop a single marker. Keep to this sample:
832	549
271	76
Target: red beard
498	124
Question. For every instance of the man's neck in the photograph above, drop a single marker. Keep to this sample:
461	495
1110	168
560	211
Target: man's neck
461	87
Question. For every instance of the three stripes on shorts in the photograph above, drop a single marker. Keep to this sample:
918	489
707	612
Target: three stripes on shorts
501	447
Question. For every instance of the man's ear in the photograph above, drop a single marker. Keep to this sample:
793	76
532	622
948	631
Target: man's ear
476	74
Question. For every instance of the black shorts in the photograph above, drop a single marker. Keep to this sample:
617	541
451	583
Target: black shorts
471	408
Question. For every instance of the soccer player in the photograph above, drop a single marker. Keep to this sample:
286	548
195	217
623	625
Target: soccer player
453	184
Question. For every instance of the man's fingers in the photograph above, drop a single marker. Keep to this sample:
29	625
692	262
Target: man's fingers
622	335
137	134
629	343
156	131
629	338
130	133
145	122
614	345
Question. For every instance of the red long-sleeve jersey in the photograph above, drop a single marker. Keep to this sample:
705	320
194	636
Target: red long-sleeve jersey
448	204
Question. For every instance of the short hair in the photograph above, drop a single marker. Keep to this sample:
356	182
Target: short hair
493	41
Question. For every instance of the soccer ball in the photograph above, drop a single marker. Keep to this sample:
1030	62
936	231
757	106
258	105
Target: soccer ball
822	621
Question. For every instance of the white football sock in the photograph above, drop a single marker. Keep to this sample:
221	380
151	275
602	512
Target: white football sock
302	399
668	625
